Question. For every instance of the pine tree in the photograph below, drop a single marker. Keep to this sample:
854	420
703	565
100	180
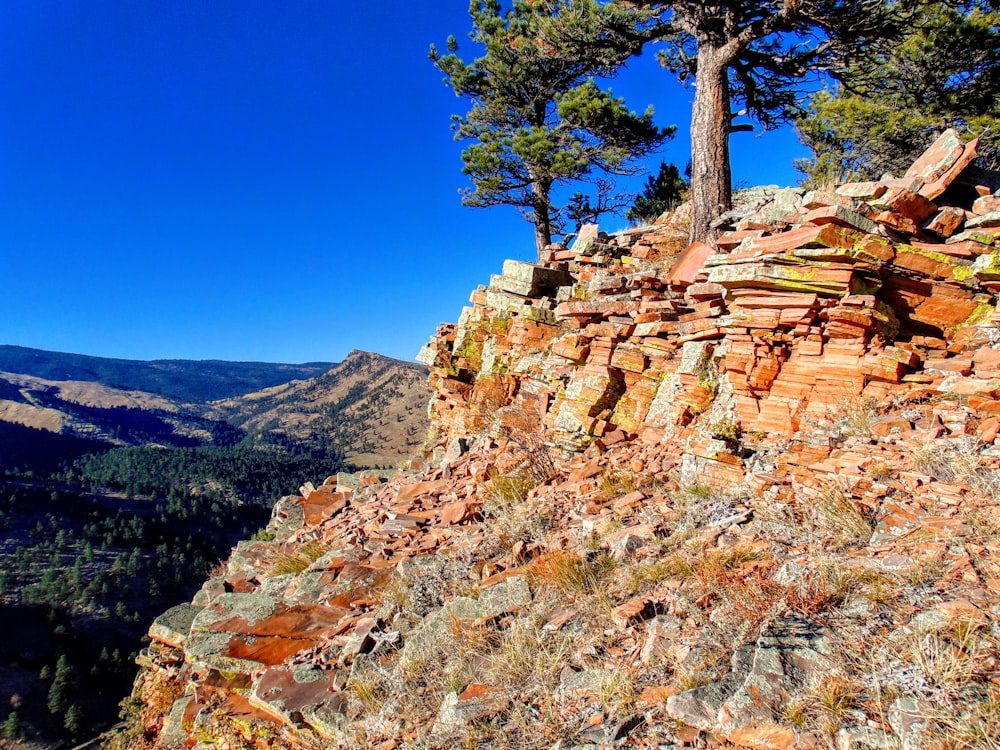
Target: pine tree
944	73
538	118
62	683
12	727
73	720
751	53
662	193
56	700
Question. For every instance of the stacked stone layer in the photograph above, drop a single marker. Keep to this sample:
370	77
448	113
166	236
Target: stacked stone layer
826	342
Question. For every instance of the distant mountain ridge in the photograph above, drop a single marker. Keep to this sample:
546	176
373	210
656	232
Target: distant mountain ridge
369	408
183	379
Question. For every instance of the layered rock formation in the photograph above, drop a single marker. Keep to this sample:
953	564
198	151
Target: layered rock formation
742	495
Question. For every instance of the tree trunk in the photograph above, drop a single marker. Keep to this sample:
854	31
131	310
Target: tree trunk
543	220
711	188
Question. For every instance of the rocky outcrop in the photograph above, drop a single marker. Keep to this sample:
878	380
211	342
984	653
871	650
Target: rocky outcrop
742	495
850	294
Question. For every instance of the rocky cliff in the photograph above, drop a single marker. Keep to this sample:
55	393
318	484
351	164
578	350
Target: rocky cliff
739	495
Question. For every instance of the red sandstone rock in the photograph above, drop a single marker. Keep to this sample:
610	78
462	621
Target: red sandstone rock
817	363
946	222
985	205
932	189
906	203
938	158
689	264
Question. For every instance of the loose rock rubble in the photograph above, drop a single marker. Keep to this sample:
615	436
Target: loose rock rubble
742	495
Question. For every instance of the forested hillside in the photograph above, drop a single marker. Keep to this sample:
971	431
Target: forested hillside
371	407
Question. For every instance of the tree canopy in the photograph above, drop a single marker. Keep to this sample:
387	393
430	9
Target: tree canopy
753	54
945	72
539	118
662	192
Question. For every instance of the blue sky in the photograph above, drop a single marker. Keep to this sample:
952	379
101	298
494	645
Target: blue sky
254	180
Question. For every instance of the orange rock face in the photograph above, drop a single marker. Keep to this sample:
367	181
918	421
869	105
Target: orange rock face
819	392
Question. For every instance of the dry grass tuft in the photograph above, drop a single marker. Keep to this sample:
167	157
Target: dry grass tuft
880	471
571	573
528	658
648	574
510	489
953	656
297	561
974	725
700	504
287	565
833	702
959	461
945	667
508	518
838	514
370	686
615	482
619	691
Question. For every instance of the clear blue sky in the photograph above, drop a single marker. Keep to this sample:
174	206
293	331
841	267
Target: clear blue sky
255	180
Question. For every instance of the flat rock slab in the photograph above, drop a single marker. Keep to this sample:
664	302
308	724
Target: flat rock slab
508	595
212	650
288	690
174	733
251	557
341	586
300	621
409	492
689	263
933	189
530	280
287	517
174	626
774	276
237	709
268	650
763	678
841	216
939	305
582	683
458	711
987	267
248	607
939	158
320	505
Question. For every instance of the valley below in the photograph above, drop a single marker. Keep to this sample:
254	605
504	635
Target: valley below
116	502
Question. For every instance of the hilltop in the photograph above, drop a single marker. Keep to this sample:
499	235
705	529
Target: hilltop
739	495
372	407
